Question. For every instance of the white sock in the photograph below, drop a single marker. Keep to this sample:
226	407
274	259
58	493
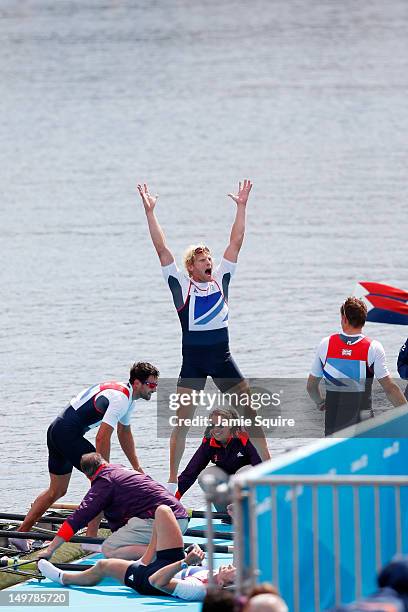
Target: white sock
50	571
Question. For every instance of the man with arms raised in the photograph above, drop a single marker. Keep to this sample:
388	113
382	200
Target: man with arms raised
106	406
201	298
348	362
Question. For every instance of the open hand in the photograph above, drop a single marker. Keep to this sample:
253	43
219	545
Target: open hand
243	193
149	201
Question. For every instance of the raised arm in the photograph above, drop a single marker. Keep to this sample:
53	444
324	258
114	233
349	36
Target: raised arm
164	579
156	232
238	227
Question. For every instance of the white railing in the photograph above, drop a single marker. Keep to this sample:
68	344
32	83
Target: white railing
251	545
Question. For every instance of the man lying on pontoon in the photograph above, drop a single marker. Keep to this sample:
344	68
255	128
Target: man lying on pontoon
164	569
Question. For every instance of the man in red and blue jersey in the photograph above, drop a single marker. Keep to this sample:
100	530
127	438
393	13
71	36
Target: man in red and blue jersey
107	406
200	295
348	362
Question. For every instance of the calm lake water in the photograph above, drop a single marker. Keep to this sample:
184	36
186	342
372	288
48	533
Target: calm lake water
308	98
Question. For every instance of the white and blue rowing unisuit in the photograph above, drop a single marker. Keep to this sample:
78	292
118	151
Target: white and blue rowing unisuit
109	402
348	364
203	312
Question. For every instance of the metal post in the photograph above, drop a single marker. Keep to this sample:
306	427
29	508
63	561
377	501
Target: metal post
377	528
336	538
253	535
316	539
398	533
357	543
295	532
275	532
210	541
238	539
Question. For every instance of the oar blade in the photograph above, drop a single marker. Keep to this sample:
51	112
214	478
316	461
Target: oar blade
385	304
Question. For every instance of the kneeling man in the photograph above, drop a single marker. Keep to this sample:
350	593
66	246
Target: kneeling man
128	500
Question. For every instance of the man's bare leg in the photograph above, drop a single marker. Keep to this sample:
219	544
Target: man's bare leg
179	433
57	489
240	400
168	532
105	568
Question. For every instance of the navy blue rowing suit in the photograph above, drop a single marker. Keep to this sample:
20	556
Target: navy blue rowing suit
109	402
402	364
203	312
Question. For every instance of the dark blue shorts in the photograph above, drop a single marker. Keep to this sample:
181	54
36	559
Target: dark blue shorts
213	360
137	576
66	445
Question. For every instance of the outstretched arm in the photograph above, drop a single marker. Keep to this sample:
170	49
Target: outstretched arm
314	391
127	443
103	440
51	548
195	466
91	506
238	228
156	232
392	391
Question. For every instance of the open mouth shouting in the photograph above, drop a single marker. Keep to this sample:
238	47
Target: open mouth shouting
208	272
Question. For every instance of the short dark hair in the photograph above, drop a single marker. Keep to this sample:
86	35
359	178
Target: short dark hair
395	575
219	599
90	462
355	311
141	371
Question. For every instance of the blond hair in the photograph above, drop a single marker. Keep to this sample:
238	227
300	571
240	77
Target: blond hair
229	414
191	252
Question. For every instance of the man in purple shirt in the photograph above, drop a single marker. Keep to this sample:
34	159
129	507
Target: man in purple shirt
128	500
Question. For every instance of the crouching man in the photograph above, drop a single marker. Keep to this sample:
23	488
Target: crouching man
128	500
